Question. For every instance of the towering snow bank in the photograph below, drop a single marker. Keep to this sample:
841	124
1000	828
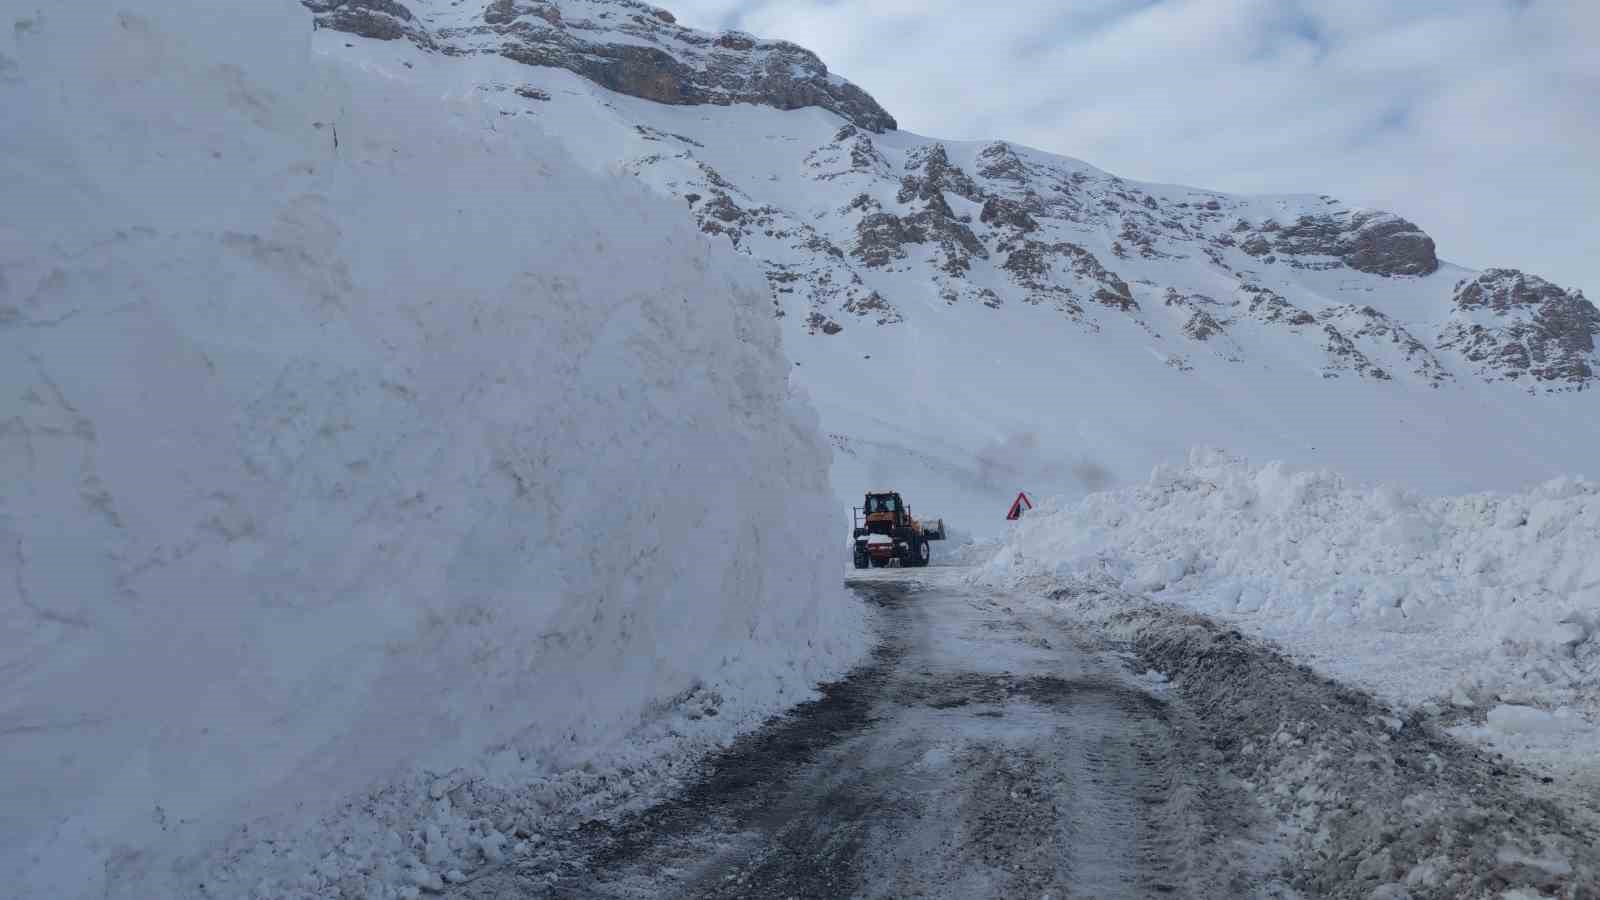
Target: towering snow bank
347	432
1468	601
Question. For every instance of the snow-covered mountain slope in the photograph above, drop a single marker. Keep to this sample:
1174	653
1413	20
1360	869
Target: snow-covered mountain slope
350	434
977	318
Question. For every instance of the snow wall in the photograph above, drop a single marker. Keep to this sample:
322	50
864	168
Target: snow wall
347	432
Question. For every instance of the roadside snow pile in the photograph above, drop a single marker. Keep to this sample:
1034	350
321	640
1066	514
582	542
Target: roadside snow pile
1369	804
364	460
1469	601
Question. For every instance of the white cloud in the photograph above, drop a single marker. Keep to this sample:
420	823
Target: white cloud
1475	118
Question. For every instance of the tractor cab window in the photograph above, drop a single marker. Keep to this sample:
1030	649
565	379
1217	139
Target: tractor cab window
882	505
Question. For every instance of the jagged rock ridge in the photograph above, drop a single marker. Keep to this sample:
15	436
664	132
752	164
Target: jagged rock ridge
384	20
1027	227
624	45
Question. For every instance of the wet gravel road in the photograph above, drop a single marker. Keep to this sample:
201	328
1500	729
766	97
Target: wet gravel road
979	753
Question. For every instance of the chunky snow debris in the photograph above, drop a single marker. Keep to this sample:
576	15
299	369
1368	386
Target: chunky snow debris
1460	602
349	435
1370	804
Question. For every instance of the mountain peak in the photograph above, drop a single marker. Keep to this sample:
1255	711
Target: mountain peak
626	46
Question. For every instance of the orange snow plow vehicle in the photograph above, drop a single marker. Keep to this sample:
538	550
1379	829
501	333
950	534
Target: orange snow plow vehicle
886	533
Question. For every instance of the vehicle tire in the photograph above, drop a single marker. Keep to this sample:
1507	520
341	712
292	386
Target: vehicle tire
924	553
861	559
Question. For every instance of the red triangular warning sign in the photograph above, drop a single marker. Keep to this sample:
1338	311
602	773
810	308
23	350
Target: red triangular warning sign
1018	506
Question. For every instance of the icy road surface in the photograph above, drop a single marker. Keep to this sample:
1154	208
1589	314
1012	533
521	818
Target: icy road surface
983	752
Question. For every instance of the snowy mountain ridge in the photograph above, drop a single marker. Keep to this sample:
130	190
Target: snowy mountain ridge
627	46
997	223
975	318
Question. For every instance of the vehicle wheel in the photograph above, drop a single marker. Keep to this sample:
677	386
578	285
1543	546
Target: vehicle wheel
924	552
861	559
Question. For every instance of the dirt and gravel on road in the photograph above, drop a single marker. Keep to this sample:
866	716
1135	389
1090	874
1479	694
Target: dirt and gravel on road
1094	746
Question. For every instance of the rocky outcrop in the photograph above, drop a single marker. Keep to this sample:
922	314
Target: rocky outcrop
623	45
1512	326
1269	307
1383	336
930	173
1202	324
1385	244
1033	265
817	323
384	20
999	162
872	305
998	211
1344	355
1374	242
881	237
852	152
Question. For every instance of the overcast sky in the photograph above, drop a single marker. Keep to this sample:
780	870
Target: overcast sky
1477	119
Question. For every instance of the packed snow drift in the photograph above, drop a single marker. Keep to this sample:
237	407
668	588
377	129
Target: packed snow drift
1487	605
351	433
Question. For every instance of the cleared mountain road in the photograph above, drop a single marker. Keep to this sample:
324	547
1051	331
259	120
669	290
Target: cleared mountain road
1024	745
980	753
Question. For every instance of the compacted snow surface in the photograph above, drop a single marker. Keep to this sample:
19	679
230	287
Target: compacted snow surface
365	464
1484	609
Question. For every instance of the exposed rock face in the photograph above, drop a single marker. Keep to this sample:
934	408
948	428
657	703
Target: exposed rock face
1202	324
624	45
1343	354
384	20
1034	266
1017	214
932	174
1379	333
881	236
1270	307
1001	163
851	152
1513	325
1373	242
999	211
1388	245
